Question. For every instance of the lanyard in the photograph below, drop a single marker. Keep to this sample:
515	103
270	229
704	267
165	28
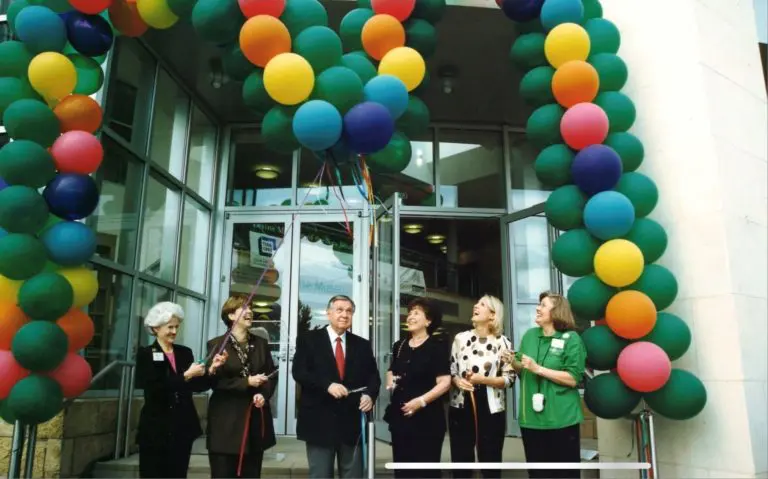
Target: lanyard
541	364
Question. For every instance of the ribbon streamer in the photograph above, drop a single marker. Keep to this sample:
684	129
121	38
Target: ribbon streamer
246	430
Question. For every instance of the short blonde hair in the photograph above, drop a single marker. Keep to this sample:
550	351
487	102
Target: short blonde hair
160	314
496	327
561	314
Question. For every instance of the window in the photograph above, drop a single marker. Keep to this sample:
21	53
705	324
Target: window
169	125
158	235
257	175
195	230
191	332
202	155
527	190
148	295
471	169
416	181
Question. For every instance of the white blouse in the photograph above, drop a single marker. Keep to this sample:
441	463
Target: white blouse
481	355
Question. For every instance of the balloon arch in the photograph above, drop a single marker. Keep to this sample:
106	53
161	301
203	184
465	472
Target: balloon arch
355	110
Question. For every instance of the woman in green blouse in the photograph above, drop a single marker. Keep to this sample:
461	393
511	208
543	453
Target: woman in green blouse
550	362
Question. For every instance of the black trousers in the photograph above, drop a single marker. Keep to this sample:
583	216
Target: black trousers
552	445
225	465
415	448
491	429
171	460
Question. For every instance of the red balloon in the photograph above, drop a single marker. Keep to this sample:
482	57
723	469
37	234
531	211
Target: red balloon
77	152
92	7
124	15
400	9
12	373
644	367
73	375
583	125
251	8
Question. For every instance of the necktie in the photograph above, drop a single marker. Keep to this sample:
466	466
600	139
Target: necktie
339	358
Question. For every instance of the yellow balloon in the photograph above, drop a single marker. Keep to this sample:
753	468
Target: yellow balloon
156	13
618	263
9	290
52	75
566	42
289	78
84	283
406	64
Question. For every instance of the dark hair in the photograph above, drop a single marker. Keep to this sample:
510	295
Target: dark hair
232	304
341	297
431	310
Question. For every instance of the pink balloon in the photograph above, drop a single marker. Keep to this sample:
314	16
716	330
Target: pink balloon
251	8
11	373
77	152
584	124
73	375
644	367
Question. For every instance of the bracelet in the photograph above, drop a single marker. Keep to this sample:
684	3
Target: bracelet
422	401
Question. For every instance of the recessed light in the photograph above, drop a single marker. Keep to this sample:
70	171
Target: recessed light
413	228
435	238
266	172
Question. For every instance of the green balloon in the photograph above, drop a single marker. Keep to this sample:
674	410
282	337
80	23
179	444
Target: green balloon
394	158
574	251
31	120
589	296
302	14
11	90
277	130
70	50
22	209
364	4
619	108
236	66
216	21
429	10
339	86
51	267
629	148
359	63
682	397
553	165
670	334
592	9
58	6
35	399
182	8
421	36
52	220
650	237
640	190
16	59
5	413
424	85
46	296
528	51
608	398
26	163
320	46
536	86
531	26
603	347
351	28
565	207
21	256
604	37
90	76
15	7
415	121
543	128
611	70
659	284
39	346
255	95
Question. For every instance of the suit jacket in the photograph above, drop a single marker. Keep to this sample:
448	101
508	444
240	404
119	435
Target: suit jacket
323	420
168	413
232	398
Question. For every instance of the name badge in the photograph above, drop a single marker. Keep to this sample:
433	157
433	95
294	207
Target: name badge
558	343
158	357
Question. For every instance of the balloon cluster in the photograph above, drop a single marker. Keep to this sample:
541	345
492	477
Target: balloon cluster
573	80
45	80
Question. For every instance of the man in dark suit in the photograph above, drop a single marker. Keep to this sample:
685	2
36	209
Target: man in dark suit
329	363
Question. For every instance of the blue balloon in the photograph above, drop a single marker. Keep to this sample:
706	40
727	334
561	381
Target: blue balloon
3	233
368	127
71	196
69	243
317	125
609	215
596	168
3	184
521	10
90	35
390	91
555	12
41	29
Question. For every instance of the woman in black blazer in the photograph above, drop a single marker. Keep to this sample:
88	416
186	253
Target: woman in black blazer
242	387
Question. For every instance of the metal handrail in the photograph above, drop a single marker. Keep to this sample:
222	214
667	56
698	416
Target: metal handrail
109	367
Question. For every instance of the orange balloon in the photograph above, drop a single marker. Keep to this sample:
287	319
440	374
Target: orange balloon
124	15
78	112
78	327
11	320
262	38
382	33
575	82
630	314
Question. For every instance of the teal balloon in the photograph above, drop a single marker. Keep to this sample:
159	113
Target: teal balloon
670	334
640	190
611	70
15	7
415	121
553	165
536	86
608	398
429	10
565	207
619	108
41	29
90	76
574	251
543	127
35	400
592	9
255	96
650	237
277	130
528	51
589	296
351	28
302	14
603	347
556	12
659	284
320	46
421	36
604	37
339	86
31	120
236	66
359	63
682	397
39	346
16	59
26	163
22	210
394	158
629	148
182	8
21	256
46	296
216	21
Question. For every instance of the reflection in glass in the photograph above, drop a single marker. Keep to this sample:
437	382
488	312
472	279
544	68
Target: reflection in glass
257	175
202	154
191	331
194	246
382	320
322	191
471	173
531	253
148	295
169	125
158	235
527	190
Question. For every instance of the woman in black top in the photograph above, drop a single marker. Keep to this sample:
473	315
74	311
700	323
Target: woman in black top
418	376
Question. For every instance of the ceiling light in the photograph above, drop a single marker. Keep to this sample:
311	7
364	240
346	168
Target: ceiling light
444	249
261	304
266	172
413	228
435	238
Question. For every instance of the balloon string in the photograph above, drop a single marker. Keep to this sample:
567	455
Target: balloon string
246	429
341	203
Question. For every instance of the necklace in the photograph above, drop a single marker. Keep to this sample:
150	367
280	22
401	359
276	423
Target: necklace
417	342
